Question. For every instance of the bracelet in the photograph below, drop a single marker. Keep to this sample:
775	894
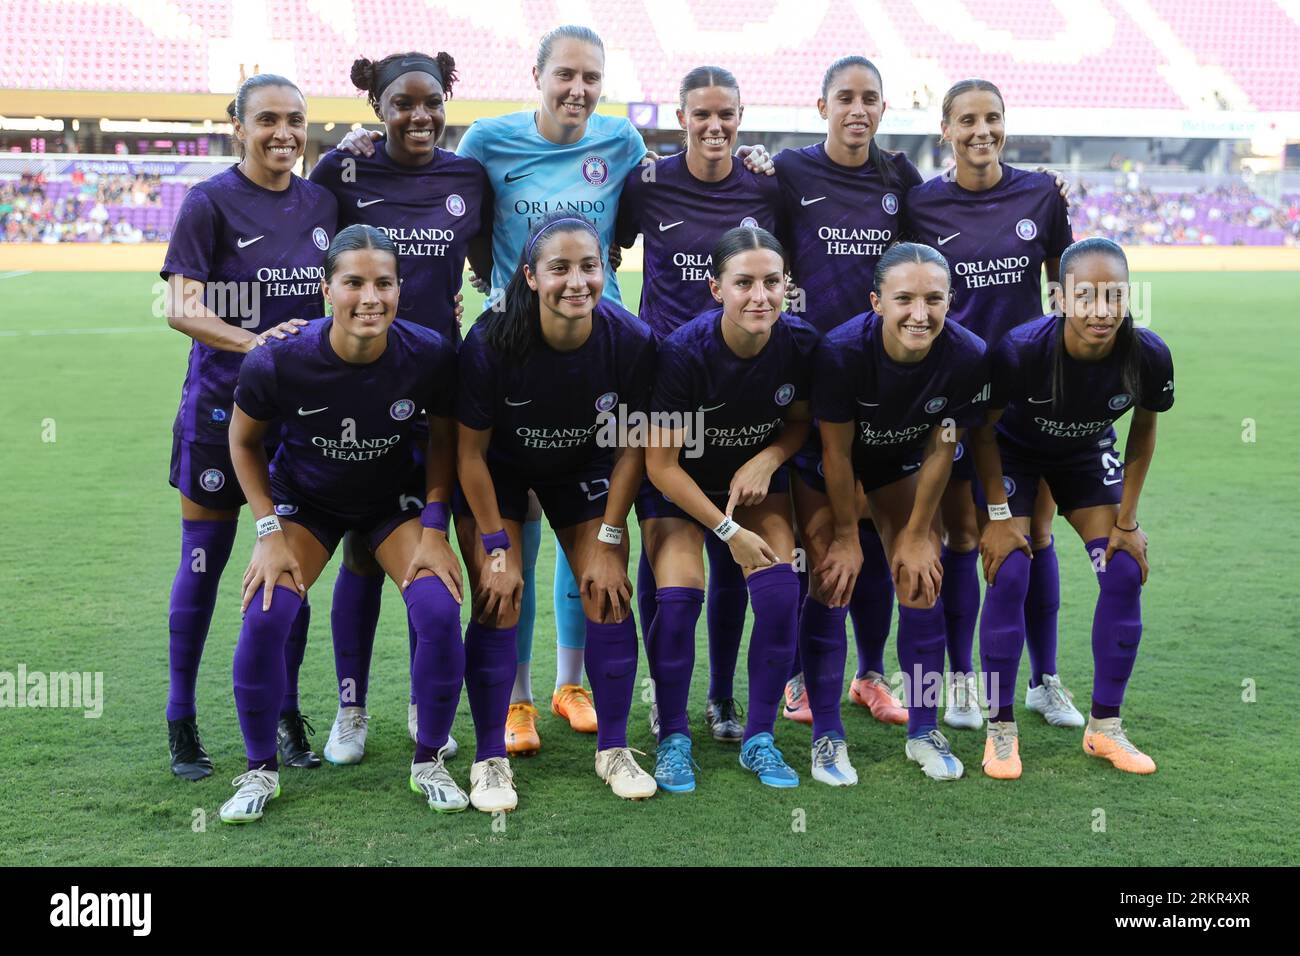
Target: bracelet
1134	528
496	541
268	525
999	512
727	530
434	516
608	534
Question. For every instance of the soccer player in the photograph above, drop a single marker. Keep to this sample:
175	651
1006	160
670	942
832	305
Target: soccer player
538	382
893	390
243	266
437	208
347	391
843	200
999	228
730	406
1058	384
680	206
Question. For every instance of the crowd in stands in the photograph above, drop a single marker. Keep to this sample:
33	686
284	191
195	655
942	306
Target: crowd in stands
84	207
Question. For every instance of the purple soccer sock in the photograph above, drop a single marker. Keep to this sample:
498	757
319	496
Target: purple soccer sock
961	605
611	669
1041	607
872	604
354	616
259	672
724	615
205	549
490	656
412	640
921	642
1116	627
439	668
774	595
295	649
825	647
1002	634
645	594
670	649
796	665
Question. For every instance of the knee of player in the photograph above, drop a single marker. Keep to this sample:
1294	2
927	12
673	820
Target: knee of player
357	557
1121	576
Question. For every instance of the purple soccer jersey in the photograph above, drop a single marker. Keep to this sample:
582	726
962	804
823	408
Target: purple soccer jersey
347	429
431	213
1093	396
544	411
261	255
681	219
840	220
893	405
995	241
742	403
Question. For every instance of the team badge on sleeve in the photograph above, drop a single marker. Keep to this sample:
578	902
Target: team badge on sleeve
319	236
1119	401
1026	229
212	480
402	409
785	394
455	205
607	401
595	170
890	203
935	405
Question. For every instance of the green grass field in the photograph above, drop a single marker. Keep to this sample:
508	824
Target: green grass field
90	546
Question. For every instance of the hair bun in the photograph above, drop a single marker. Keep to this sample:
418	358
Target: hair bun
363	73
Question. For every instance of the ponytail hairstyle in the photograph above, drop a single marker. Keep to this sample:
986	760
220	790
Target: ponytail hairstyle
369	75
966	86
743	239
901	252
703	77
1127	349
875	155
237	108
568	31
515	331
360	236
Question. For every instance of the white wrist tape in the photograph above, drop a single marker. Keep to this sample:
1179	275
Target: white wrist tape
727	530
268	525
608	534
999	512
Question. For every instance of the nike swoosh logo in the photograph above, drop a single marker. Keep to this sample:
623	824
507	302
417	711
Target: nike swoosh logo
1039	401
911	467
953	236
663	228
510	178
248	242
517	404
1109	481
369	202
869	404
303	411
712	408
809	202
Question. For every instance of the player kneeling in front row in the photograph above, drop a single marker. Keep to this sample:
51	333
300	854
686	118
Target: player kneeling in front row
1058	384
892	390
536	381
348	389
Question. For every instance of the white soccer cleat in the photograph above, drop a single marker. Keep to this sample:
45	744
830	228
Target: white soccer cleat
934	755
963	710
413	725
492	785
254	789
439	788
618	768
830	762
347	743
1054	702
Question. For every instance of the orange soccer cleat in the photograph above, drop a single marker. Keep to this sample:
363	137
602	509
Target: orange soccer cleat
521	731
573	703
1106	738
873	693
796	706
1002	751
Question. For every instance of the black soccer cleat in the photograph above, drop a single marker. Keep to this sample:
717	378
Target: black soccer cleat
189	760
291	742
722	716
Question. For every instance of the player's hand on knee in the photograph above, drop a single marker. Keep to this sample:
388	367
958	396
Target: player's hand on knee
502	592
438	559
837	573
999	539
605	585
916	570
1133	543
751	551
360	142
272	557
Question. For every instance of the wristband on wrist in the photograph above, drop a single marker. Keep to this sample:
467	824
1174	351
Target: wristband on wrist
496	541
268	525
1000	512
435	516
1134	528
608	534
727	530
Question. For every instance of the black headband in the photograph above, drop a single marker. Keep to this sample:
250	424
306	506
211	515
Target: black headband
407	64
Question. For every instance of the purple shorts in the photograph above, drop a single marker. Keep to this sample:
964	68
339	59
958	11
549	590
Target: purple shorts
963	464
203	473
566	501
1085	480
653	503
876	474
329	527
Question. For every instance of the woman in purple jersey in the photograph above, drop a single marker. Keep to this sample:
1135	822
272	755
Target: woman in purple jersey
894	388
437	208
356	382
844	205
1000	228
730	407
539	383
243	266
1058	384
680	206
